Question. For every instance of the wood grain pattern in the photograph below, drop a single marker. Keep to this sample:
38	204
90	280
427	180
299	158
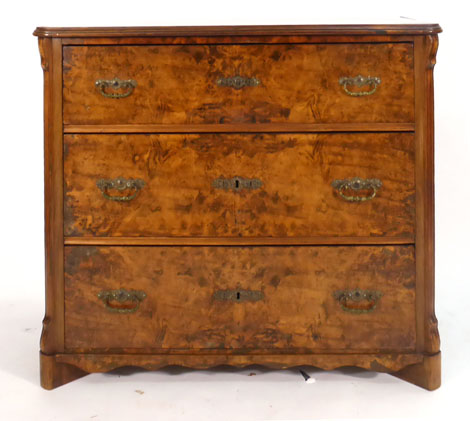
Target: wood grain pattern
428	333
177	84
239	128
234	241
246	30
296	198
55	373
106	362
298	310
425	374
52	338
239	39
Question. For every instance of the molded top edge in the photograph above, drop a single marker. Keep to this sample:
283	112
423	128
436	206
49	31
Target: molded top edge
261	30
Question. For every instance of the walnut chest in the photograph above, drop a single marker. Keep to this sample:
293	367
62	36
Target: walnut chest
239	195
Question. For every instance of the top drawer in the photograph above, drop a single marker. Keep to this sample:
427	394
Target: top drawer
216	84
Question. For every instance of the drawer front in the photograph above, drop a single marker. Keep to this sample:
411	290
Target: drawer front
297	185
212	84
229	298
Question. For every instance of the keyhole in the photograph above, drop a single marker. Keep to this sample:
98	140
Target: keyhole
238	295
237	184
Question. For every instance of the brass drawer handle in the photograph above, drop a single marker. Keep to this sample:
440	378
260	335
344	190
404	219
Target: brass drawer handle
360	81
121	300
358	300
357	184
238	82
116	85
238	295
237	183
120	184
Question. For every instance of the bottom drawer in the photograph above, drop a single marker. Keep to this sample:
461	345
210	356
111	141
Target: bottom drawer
240	299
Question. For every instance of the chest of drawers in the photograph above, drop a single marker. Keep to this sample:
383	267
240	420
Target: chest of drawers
239	195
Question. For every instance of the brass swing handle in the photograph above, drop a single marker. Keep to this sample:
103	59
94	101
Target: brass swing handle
125	86
121	300
357	184
358	300
120	184
360	81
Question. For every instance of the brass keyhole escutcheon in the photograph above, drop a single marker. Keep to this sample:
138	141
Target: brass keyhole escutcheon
237	184
238	295
237	82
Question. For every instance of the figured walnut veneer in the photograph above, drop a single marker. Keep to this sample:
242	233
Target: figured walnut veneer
179	198
295	282
178	84
239	195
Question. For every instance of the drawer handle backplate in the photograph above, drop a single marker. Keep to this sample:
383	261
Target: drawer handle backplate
120	184
360	81
357	184
237	183
125	86
358	300
238	295
237	82
121	300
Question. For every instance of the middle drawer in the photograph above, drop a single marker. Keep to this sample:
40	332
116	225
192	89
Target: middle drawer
233	185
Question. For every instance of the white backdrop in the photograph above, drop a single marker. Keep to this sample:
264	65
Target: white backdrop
21	218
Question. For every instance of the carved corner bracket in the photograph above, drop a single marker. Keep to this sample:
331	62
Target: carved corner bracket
433	42
42	53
